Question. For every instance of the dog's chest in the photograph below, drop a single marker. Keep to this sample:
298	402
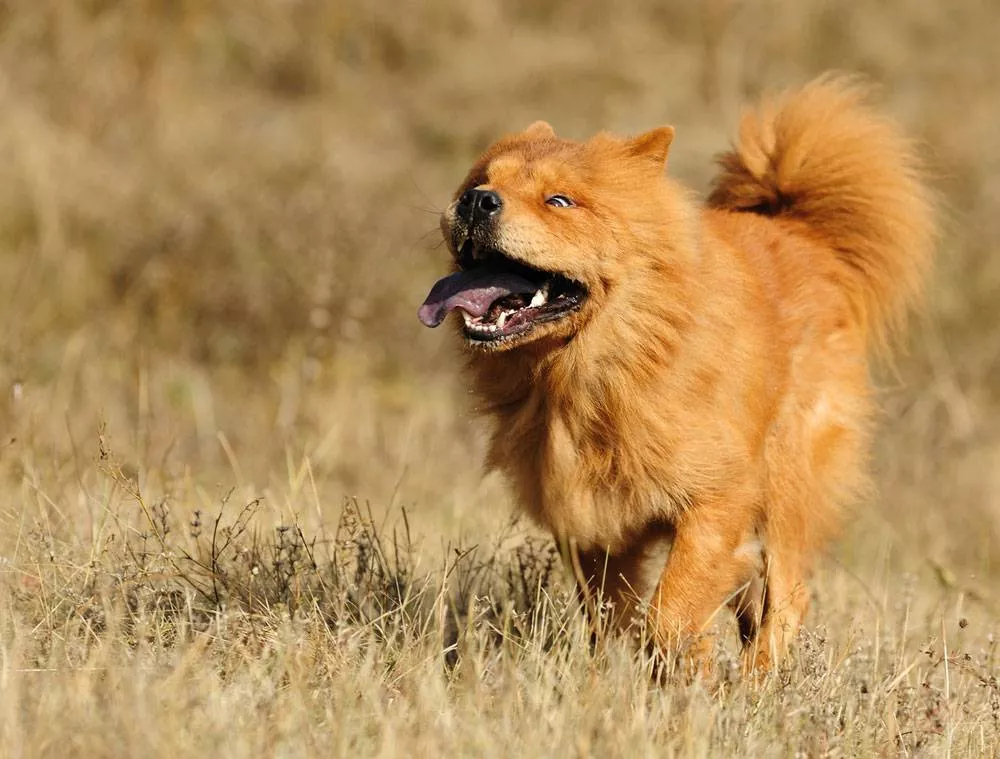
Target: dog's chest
573	484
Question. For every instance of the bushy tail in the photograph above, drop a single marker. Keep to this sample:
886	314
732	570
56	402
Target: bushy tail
822	156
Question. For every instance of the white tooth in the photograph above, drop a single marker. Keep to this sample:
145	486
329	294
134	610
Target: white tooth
540	298
468	319
502	319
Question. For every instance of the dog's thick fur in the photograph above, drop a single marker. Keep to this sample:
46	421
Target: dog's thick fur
712	393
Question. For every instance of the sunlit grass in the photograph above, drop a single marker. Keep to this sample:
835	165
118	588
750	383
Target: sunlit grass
241	504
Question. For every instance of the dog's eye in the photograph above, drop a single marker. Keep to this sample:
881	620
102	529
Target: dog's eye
559	201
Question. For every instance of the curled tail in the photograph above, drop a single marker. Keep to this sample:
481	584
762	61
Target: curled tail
821	156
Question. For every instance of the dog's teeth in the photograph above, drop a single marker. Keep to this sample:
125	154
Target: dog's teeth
501	320
540	297
468	318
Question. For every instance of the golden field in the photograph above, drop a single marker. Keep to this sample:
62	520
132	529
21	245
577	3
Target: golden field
241	504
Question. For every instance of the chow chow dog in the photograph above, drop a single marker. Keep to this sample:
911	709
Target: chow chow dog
679	389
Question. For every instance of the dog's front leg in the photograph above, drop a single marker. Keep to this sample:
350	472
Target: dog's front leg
614	586
708	563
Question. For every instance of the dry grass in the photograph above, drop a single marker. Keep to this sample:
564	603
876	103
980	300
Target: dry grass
216	222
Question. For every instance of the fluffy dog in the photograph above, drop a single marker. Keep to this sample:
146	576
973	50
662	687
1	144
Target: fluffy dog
666	372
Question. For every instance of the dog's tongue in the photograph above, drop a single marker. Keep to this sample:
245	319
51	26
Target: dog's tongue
472	291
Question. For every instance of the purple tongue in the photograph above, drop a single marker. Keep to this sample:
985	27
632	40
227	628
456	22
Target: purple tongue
472	291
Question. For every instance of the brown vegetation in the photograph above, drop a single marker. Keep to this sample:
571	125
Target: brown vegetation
216	223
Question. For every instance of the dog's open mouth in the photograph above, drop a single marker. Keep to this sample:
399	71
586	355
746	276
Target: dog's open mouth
501	299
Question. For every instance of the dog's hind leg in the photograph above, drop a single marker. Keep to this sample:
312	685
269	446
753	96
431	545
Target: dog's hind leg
783	606
749	602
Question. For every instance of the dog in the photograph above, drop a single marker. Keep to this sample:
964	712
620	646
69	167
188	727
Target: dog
670	374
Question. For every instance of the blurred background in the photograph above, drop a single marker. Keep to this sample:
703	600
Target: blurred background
217	220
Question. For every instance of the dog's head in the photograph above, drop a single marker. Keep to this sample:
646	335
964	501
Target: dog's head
545	231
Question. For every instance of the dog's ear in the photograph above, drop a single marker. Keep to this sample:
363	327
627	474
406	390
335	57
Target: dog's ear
653	145
539	130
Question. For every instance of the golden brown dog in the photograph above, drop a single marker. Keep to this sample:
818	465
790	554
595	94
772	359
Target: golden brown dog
661	371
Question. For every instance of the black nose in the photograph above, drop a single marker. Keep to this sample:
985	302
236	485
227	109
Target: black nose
475	206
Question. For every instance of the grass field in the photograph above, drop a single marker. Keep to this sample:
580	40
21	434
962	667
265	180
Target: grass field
241	505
